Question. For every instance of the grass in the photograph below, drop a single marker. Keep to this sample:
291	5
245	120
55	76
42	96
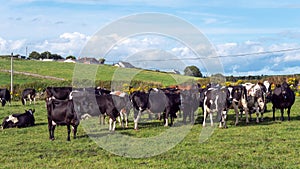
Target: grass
270	144
69	71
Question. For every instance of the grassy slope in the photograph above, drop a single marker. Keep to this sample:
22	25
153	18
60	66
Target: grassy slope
266	145
68	70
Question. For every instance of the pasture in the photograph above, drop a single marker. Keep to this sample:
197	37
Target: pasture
270	144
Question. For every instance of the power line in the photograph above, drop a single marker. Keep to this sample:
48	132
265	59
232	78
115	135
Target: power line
218	56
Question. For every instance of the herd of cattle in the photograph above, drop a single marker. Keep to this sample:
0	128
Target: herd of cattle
67	105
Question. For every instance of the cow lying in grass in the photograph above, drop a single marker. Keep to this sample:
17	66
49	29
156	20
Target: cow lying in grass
19	120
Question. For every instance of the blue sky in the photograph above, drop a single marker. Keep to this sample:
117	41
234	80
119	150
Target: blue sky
233	27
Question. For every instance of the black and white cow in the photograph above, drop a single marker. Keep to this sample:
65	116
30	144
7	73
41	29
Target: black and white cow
256	101
217	100
4	96
19	120
28	94
282	98
155	101
238	97
61	112
61	93
123	105
107	107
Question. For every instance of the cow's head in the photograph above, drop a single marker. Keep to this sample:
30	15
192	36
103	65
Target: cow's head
236	93
3	102
30	111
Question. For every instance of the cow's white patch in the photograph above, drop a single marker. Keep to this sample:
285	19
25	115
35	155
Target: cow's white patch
85	116
12	119
53	123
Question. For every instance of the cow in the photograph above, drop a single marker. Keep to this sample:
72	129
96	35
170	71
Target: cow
19	120
107	107
282	98
4	96
89	104
61	93
217	100
238	98
28	94
256	101
190	101
123	105
155	101
61	112
102	91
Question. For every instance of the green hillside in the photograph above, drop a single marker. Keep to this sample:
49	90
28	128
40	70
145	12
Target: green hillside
67	71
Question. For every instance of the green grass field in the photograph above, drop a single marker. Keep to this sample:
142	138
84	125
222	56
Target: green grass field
270	144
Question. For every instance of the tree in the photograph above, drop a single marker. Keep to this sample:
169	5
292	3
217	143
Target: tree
192	71
34	55
71	57
46	55
101	60
56	57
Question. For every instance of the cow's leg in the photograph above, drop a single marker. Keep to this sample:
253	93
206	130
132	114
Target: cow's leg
126	119
236	113
247	113
282	111
261	107
120	120
257	112
51	128
184	115
224	116
112	124
204	116
211	119
273	113
102	119
137	115
288	112
166	121
74	131
69	131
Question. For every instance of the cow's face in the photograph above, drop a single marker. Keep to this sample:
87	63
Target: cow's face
235	93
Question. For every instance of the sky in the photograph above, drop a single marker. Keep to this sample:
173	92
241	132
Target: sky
258	37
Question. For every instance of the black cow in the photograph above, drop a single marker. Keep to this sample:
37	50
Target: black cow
190	101
19	120
282	98
155	101
61	93
4	96
217	100
61	112
238	96
28	94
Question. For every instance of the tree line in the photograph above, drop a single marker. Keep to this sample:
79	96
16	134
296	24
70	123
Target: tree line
47	55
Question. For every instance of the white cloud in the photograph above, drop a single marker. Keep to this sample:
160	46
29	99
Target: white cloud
9	46
66	44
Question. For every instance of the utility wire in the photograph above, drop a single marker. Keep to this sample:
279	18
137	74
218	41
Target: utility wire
220	56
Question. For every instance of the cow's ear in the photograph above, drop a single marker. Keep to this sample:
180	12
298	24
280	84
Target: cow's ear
33	110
